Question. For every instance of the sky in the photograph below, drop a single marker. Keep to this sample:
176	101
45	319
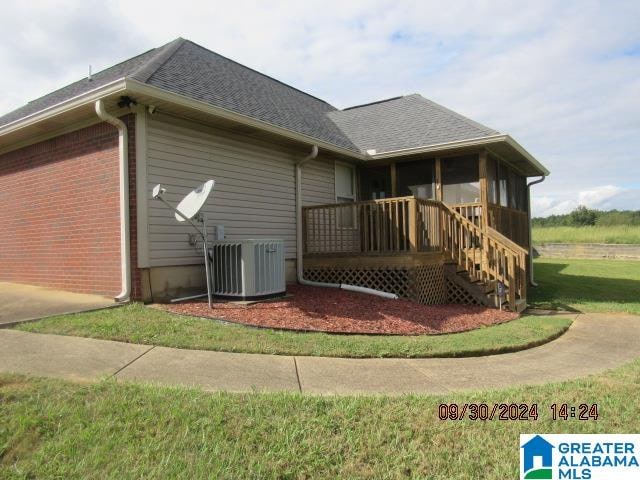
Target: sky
561	77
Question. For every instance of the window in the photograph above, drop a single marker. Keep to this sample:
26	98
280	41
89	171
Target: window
345	183
417	179
460	180
345	193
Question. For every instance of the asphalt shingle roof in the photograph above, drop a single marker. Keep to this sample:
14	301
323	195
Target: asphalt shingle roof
188	69
405	122
203	75
99	79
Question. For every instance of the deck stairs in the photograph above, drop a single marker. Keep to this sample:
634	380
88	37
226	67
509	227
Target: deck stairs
484	262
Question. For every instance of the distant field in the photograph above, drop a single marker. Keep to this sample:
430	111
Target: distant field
595	234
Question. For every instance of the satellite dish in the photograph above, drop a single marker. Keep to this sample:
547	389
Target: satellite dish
194	201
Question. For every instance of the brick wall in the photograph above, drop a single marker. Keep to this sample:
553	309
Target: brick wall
59	221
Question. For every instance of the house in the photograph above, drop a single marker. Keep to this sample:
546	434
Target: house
401	194
537	447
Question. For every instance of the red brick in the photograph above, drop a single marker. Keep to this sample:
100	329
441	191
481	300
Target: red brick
60	220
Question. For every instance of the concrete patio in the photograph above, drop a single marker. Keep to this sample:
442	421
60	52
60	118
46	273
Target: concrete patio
22	303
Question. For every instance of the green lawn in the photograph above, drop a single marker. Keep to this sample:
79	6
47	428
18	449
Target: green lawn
138	324
54	429
595	234
587	285
583	285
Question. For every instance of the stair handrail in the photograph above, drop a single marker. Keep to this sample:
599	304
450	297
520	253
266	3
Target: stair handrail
515	280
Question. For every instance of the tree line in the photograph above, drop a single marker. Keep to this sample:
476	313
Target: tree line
583	216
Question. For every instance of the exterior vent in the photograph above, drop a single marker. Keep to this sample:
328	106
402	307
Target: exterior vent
248	269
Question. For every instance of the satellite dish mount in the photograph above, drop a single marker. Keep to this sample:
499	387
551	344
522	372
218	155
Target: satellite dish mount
189	210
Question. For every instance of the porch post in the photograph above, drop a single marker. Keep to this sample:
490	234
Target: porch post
394	180
484	213
484	188
438	180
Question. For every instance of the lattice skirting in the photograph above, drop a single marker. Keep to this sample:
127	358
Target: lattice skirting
429	286
457	294
388	279
424	284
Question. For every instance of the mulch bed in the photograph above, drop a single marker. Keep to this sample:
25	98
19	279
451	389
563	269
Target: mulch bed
340	311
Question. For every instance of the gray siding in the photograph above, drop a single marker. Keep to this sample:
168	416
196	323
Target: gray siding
254	194
318	183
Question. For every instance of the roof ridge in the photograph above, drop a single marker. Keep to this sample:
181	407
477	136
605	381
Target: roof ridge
164	53
261	73
374	103
442	108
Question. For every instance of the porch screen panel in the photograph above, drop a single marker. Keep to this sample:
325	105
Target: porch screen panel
492	181
521	193
417	179
503	182
460	180
375	183
513	189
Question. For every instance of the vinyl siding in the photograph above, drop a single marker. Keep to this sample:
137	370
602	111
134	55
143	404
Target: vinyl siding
254	193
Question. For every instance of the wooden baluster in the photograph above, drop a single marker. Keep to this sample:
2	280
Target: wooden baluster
397	226
512	282
377	226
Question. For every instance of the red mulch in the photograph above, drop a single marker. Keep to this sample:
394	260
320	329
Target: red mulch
341	311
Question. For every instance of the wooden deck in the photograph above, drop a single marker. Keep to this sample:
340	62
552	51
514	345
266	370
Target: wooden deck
407	232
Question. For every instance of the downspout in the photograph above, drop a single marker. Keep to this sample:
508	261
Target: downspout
125	261
299	246
529	185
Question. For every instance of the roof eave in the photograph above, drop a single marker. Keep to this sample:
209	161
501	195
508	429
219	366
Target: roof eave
136	87
471	142
515	145
62	107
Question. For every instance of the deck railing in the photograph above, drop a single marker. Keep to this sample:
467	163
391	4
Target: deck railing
389	226
512	223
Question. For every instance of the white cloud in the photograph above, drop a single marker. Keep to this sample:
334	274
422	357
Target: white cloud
604	197
562	77
598	196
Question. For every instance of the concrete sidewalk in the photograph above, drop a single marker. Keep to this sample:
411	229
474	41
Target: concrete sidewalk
594	343
21	303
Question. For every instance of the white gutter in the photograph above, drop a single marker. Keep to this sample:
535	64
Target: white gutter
471	142
70	104
299	246
529	185
125	259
